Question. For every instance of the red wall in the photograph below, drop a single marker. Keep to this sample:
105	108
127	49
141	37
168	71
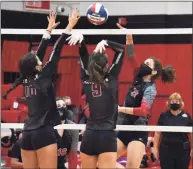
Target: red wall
180	56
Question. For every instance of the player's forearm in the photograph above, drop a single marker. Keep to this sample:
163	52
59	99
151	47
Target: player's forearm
84	55
43	45
115	46
129	39
138	111
129	45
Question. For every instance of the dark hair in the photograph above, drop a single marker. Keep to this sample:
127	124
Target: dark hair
167	74
27	68
96	66
16	83
27	64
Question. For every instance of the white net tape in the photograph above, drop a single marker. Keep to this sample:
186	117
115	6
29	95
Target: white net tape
104	32
101	31
119	127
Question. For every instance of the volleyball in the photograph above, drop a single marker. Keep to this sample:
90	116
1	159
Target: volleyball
97	14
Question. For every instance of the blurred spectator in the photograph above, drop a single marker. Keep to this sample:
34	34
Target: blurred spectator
15	154
62	109
71	107
173	149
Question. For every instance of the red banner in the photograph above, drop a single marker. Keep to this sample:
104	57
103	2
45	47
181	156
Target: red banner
36	5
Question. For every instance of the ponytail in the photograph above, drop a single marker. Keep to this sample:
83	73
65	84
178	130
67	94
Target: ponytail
168	74
17	82
96	66
96	73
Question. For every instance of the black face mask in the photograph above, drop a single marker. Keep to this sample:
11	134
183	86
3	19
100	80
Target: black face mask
144	70
62	112
175	106
35	72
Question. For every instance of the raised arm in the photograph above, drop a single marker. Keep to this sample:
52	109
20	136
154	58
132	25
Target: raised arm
83	52
84	56
130	51
118	58
46	36
41	49
51	66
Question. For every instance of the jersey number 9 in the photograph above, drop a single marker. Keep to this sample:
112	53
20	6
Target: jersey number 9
96	90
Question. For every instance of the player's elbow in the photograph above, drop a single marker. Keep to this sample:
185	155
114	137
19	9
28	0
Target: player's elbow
144	111
141	111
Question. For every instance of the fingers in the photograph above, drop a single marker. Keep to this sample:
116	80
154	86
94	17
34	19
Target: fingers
119	26
74	40
50	15
58	23
103	47
55	15
75	13
48	18
105	43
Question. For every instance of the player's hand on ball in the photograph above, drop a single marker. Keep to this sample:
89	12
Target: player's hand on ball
75	38
74	17
52	21
101	46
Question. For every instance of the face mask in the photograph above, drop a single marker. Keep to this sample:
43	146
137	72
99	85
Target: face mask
144	70
62	113
175	106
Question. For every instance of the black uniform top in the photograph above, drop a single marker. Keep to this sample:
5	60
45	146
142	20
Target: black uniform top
67	144
141	94
39	91
168	119
102	100
16	151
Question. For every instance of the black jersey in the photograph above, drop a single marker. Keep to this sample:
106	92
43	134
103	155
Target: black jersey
168	119
102	100
140	92
67	143
16	151
39	91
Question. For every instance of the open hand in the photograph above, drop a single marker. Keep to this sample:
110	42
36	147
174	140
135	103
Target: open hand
101	46
74	17
52	21
75	38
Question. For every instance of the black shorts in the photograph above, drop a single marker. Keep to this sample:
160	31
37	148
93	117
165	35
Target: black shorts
174	157
38	138
96	142
127	136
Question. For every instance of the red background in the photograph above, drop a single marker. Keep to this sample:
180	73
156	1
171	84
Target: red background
179	55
